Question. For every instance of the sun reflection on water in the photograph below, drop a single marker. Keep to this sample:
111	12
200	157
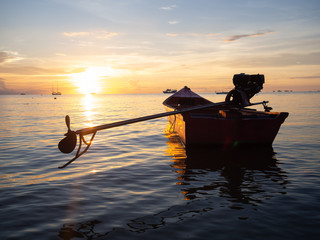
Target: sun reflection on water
88	107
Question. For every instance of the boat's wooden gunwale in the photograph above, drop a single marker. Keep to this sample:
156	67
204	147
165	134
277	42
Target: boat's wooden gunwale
210	127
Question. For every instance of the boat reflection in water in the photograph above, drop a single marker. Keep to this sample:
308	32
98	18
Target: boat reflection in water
244	175
211	180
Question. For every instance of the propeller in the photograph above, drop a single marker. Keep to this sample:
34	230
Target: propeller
68	144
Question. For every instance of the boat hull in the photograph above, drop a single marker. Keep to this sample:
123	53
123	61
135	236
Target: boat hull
227	128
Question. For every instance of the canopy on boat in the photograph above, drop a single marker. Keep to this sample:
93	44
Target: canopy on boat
185	98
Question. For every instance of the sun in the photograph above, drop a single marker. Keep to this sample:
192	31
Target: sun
95	79
90	81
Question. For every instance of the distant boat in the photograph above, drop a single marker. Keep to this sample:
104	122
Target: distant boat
56	92
221	92
22	94
170	91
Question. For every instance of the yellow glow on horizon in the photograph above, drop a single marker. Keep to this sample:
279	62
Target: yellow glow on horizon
95	79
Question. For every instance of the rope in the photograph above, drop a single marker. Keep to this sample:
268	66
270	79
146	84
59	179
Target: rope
78	154
171	129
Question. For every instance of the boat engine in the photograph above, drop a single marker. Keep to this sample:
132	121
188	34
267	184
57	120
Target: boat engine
246	86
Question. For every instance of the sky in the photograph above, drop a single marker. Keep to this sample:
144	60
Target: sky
147	46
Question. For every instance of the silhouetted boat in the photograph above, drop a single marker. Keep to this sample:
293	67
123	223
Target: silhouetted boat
56	92
221	92
229	123
170	91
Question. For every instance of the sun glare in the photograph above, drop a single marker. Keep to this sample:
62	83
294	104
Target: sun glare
90	81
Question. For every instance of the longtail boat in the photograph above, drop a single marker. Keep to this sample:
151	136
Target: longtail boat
198	121
231	123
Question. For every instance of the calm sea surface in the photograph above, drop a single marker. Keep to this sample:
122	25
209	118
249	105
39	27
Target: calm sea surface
138	182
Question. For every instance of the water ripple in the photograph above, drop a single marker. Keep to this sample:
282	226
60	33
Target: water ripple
139	182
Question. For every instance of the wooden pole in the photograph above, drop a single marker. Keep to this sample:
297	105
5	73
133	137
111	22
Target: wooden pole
90	130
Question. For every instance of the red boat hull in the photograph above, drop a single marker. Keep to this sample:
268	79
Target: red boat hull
226	129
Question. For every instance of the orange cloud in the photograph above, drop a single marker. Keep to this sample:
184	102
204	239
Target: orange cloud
172	34
75	34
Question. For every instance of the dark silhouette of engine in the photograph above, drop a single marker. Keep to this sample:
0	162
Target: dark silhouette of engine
246	86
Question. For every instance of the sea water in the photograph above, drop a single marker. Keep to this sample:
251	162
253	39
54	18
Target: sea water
139	182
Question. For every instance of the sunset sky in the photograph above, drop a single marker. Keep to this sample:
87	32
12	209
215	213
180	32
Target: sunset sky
146	46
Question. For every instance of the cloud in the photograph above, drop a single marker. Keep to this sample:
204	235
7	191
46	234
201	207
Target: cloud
4	89
2	84
31	70
75	34
207	35
213	35
4	56
8	57
95	34
194	34
61	54
169	8
276	60
306	77
106	35
237	37
173	22
172	34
